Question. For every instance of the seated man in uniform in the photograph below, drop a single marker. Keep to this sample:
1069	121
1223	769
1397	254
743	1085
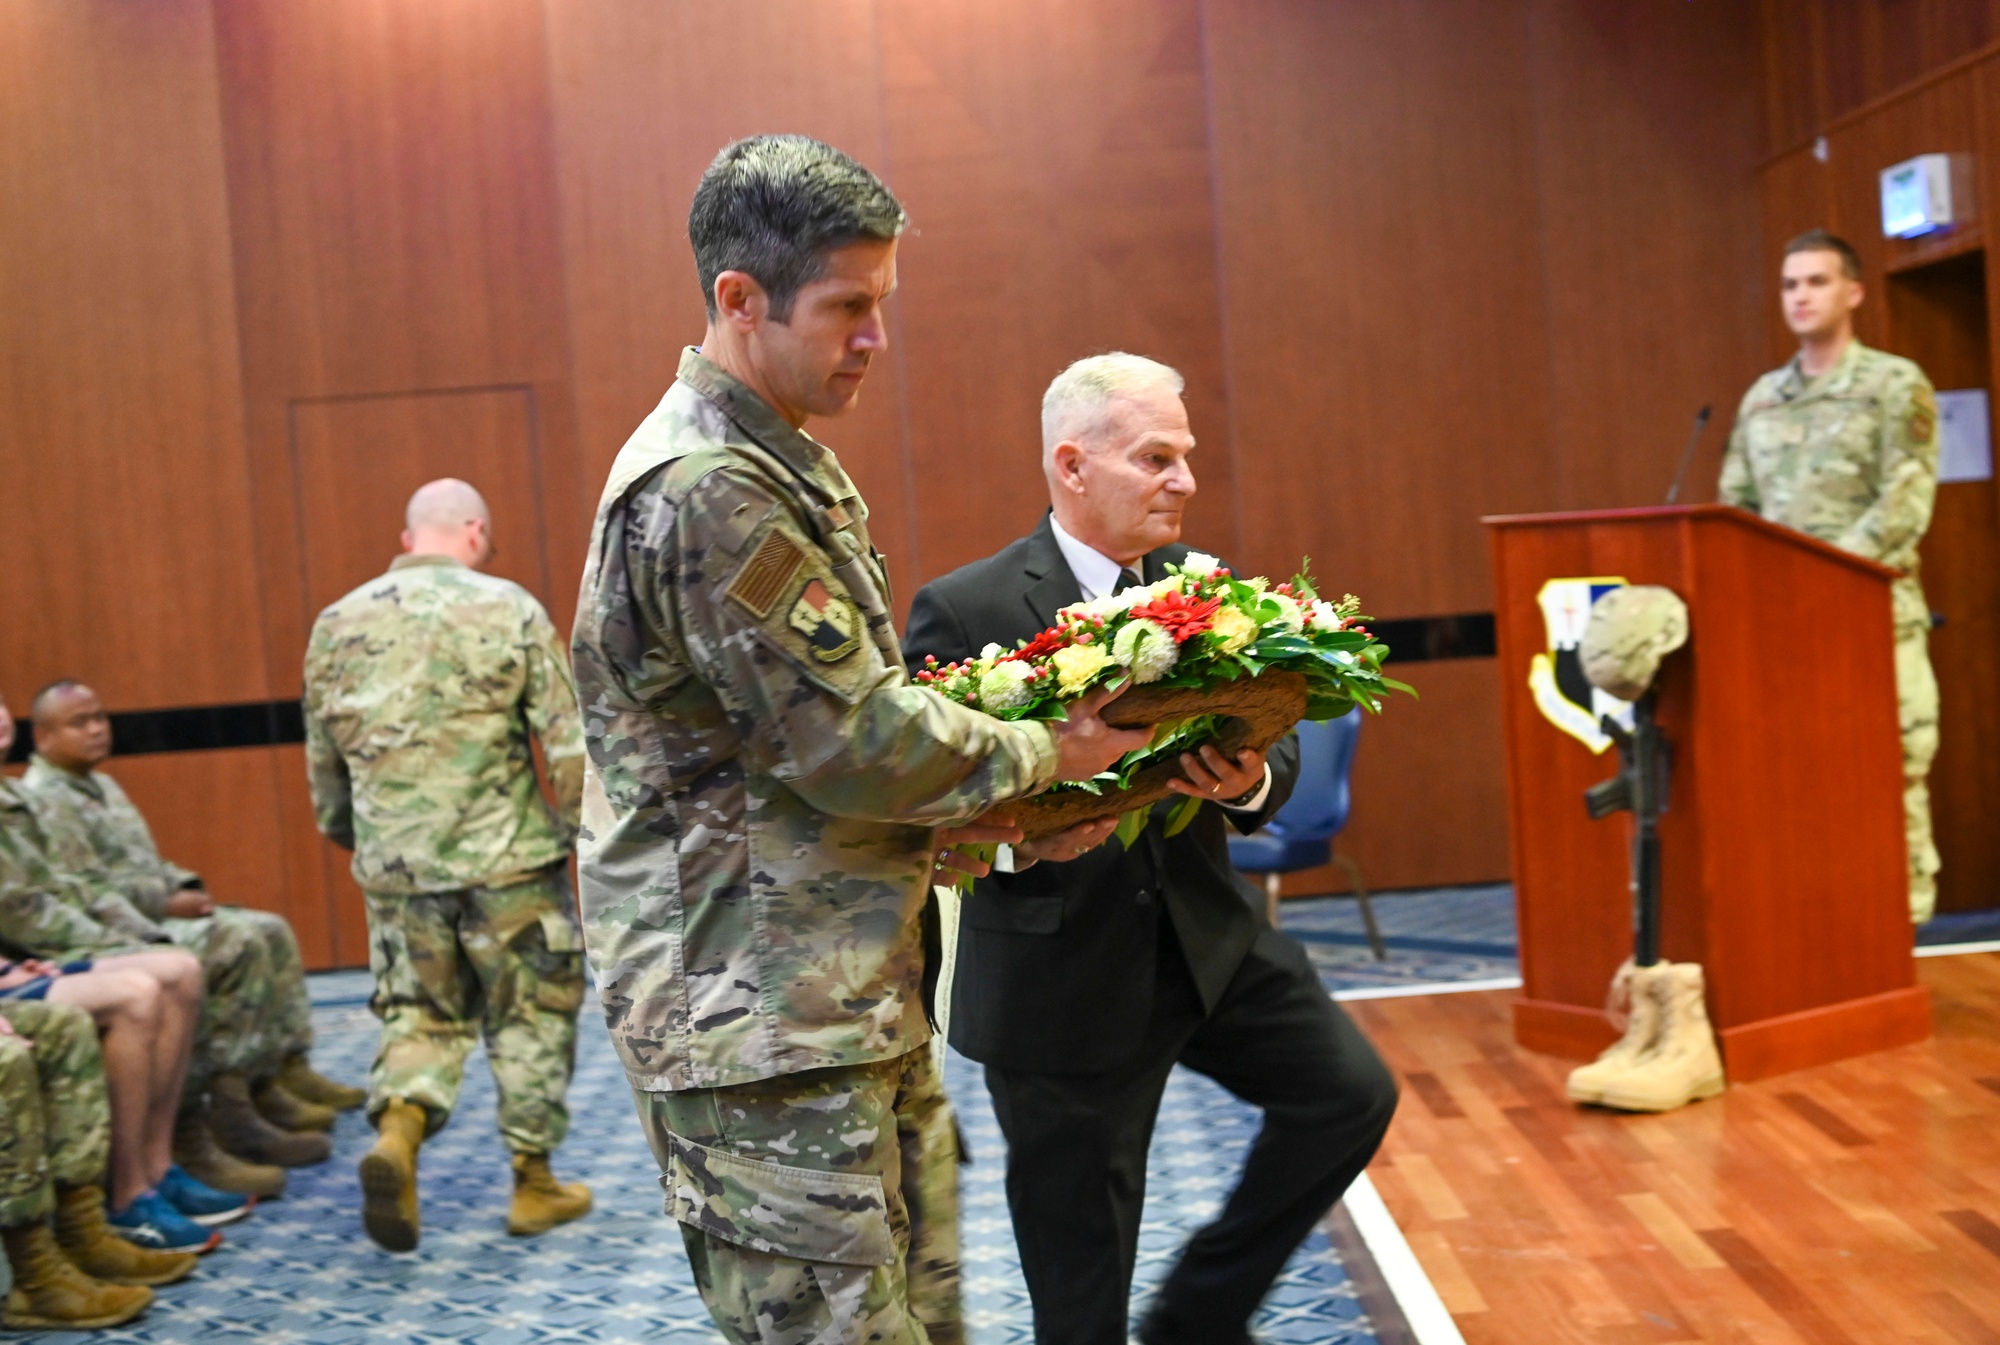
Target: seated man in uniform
52	908
70	1273
72	740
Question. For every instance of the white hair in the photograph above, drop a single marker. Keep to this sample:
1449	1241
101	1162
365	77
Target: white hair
1076	405
444	503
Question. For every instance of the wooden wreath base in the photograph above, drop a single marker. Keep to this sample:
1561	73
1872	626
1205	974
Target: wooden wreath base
1259	710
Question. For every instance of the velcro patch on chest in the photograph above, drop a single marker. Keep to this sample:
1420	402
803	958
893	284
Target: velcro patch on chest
830	623
768	574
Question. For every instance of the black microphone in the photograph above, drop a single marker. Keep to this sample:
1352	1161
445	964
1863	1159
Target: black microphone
1687	455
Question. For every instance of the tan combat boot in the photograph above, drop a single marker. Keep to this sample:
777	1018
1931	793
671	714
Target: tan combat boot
87	1240
51	1294
302	1081
389	1177
203	1159
1634	986
540	1201
1683	1064
240	1130
287	1111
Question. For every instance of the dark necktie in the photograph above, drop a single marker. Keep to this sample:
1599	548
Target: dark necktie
1127	579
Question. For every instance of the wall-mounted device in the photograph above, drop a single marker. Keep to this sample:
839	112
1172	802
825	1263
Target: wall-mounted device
1926	194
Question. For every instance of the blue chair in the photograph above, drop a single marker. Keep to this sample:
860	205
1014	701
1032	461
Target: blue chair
1301	835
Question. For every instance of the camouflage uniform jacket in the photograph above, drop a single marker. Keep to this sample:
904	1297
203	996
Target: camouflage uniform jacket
50	904
422	687
763	778
1850	457
116	830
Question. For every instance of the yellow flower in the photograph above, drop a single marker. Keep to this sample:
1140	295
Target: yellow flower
1077	664
1232	630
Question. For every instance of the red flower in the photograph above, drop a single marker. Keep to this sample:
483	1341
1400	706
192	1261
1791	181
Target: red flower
1183	617
1041	646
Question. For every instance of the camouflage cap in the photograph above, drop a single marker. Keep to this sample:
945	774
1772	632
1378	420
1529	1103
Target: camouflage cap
1631	629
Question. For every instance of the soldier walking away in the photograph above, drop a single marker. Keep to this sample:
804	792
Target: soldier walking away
769	799
1841	443
72	742
423	690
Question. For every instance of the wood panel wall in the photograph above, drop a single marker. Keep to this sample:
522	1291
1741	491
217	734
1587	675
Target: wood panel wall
265	264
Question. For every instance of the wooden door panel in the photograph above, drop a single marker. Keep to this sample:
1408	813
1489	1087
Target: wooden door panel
358	460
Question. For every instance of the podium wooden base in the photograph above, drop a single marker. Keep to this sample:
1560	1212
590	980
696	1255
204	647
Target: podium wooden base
1754	1050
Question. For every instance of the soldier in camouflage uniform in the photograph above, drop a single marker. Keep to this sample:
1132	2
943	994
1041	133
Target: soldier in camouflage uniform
235	1046
1841	443
765	788
422	690
72	739
55	1141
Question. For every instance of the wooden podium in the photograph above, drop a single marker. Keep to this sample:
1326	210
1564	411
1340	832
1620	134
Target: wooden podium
1783	869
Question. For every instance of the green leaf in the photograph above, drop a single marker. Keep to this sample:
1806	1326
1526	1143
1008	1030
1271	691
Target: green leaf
1182	815
1129	827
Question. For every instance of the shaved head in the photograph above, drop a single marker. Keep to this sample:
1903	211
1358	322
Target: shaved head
445	503
449	518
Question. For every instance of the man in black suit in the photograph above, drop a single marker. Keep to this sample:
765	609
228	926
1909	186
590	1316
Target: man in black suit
1085	973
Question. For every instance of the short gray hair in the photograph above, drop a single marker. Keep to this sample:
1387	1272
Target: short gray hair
444	503
773	206
1075	405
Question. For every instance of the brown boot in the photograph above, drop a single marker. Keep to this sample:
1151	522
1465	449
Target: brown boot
540	1201
240	1130
51	1293
287	1111
87	1240
203	1159
389	1177
1683	1065
302	1081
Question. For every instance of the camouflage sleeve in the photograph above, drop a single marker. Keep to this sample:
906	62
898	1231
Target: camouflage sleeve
1738	487
326	769
1889	530
768	623
550	705
37	921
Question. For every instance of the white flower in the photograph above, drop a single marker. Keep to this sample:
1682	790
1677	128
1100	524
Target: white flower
1004	687
1325	616
991	652
1147	649
1200	563
1289	614
1109	606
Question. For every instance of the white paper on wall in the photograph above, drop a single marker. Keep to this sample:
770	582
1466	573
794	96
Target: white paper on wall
1965	437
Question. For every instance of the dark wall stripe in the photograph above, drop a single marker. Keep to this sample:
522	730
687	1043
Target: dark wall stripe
207	728
197	728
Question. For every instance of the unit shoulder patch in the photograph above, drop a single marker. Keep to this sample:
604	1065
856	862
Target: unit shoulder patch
1923	417
830	623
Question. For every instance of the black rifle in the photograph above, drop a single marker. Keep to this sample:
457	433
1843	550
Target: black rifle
1640	787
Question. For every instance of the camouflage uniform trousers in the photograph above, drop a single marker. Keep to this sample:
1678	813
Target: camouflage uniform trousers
55	1116
820	1206
1917	709
284	1015
502	963
235	1033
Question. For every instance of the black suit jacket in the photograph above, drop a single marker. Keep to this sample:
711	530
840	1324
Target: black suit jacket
1056	965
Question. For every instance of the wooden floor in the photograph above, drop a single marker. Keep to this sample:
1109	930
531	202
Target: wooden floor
1857	1202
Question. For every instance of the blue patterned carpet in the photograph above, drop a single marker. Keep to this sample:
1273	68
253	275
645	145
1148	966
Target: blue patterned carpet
301	1273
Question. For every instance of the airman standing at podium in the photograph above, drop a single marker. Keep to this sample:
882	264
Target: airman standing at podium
1841	443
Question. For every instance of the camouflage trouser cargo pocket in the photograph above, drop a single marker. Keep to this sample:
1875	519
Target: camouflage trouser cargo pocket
839	1217
820	1206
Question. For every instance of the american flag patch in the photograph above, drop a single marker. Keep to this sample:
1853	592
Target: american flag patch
765	576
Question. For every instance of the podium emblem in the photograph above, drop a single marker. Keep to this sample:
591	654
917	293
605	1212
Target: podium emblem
1555	678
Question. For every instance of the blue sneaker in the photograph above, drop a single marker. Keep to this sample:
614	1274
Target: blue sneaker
201	1202
152	1223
